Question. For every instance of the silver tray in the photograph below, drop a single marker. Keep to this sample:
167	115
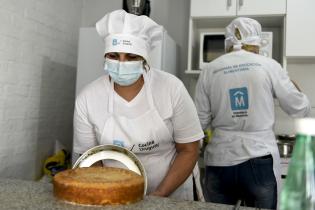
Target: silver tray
113	152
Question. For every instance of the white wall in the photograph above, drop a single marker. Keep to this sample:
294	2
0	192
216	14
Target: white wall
93	10
303	73
38	55
174	16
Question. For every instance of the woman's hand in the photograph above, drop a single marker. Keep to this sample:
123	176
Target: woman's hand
157	193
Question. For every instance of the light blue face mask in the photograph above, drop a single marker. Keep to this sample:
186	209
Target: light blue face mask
124	73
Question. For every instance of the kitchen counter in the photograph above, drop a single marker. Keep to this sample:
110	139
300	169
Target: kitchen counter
20	194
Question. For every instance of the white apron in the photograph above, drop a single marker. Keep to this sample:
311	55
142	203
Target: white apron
149	138
267	138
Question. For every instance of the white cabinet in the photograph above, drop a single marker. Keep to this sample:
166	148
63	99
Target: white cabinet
212	8
226	8
259	7
300	30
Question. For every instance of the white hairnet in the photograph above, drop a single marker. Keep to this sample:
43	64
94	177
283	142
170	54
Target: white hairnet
249	31
128	33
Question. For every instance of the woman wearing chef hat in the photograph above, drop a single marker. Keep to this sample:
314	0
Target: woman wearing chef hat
234	96
145	110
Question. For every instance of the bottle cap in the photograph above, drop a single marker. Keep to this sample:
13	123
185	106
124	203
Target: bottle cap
305	126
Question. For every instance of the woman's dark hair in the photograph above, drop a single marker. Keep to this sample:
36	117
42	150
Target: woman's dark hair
146	66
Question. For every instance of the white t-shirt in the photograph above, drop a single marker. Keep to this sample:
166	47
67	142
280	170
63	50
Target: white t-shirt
235	94
171	99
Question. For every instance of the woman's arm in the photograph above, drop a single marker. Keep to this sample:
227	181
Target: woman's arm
182	167
84	135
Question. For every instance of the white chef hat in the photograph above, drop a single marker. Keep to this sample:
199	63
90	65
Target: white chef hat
249	31
128	33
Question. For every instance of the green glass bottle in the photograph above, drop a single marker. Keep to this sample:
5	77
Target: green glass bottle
298	192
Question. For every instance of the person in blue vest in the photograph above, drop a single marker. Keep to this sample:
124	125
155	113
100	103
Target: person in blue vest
235	98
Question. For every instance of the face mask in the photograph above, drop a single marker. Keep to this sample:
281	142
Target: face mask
124	73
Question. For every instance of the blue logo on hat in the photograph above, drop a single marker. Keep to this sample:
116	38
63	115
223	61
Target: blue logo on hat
115	42
239	98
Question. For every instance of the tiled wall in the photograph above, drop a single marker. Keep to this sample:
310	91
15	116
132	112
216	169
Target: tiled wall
38	53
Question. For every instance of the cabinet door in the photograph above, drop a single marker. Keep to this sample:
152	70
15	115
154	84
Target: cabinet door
300	31
261	7
212	8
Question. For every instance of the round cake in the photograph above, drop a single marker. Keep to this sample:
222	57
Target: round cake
98	186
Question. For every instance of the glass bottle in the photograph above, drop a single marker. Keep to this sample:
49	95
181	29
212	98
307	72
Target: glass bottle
298	192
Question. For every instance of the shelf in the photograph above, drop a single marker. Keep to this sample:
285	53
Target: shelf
301	59
191	71
222	22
